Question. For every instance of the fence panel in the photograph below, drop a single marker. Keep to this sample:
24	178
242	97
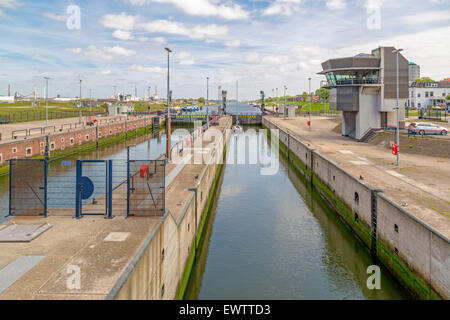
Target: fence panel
27	195
146	187
61	187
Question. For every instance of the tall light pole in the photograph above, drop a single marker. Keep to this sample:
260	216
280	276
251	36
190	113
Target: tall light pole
310	102
284	110
273	98
207	92
168	137
237	95
398	112
79	114
277	95
218	94
149	93
46	101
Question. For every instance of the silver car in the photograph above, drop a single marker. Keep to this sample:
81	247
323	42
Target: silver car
424	128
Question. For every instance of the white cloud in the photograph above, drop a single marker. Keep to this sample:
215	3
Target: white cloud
177	28
161	40
183	55
188	62
120	51
74	50
104	72
427	17
140	68
10	4
283	7
373	4
107	53
336	4
61	18
122	35
138	2
120	21
128	23
233	43
229	11
184	58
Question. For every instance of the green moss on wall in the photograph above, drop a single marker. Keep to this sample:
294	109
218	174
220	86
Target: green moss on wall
389	259
181	291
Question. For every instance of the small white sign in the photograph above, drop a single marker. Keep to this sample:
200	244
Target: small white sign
117	236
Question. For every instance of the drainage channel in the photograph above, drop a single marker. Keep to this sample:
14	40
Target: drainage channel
272	237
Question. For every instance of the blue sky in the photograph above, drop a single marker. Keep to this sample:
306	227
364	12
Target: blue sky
264	44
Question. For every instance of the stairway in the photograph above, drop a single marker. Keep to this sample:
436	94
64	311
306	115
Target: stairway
370	134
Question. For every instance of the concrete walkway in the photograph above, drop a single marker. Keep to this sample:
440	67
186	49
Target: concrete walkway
421	184
97	249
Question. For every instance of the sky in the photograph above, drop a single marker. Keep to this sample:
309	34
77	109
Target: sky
262	44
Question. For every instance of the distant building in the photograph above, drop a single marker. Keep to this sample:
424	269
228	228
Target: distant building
424	94
6	99
115	110
414	72
364	88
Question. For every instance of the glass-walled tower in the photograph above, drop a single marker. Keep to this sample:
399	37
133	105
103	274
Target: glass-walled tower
363	87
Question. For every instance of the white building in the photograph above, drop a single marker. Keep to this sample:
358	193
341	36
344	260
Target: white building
425	94
115	110
6	99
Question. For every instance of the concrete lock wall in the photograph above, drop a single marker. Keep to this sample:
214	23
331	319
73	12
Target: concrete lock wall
415	253
32	147
422	249
163	263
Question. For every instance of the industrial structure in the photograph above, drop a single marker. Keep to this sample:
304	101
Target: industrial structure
364	88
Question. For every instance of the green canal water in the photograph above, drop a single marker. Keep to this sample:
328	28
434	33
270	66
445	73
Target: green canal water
271	237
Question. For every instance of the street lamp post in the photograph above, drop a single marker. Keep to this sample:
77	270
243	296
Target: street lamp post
46	101
207	92
284	110
237	96
168	129
310	101
398	112
149	93
273	98
79	113
276	99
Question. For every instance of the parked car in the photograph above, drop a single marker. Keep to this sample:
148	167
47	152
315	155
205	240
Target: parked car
424	128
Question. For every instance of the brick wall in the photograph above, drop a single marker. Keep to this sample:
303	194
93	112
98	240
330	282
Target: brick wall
60	141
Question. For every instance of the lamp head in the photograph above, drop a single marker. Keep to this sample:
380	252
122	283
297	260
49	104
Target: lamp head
168	50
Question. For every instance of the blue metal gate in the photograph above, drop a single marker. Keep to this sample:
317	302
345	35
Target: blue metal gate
93	188
87	188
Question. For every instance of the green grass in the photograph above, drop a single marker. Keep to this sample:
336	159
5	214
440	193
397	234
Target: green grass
143	106
315	107
23	112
